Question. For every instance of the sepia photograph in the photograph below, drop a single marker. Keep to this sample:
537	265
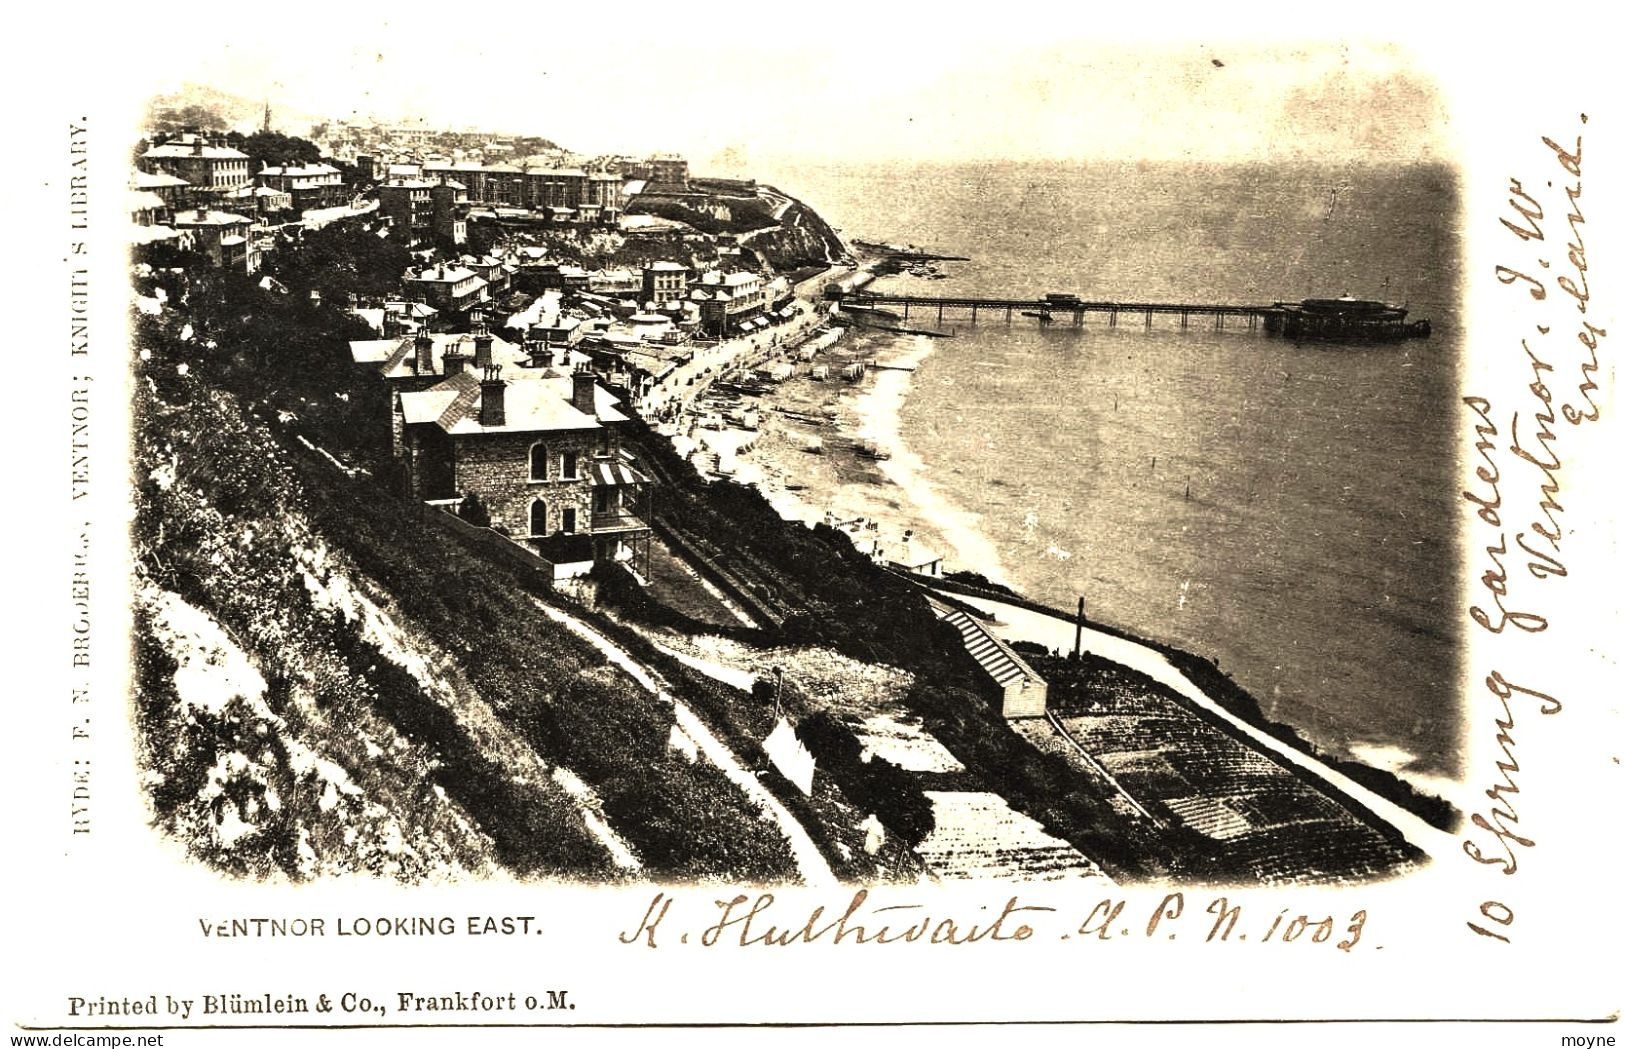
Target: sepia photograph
791	492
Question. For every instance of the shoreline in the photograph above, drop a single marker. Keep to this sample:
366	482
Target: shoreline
829	450
879	412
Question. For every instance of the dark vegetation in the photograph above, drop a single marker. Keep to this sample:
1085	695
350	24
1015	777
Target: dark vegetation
275	149
284	353
341	259
473	511
875	785
618	590
825	591
979	581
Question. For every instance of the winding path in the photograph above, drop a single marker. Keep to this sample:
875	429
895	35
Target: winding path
814	869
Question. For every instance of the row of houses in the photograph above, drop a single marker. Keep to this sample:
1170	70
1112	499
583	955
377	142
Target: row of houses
210	172
200	193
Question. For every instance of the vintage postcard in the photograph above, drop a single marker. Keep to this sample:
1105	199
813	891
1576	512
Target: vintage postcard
744	523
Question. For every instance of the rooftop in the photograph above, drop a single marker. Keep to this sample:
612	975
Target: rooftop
444	274
307	170
201	217
535	403
188	147
394	356
155	180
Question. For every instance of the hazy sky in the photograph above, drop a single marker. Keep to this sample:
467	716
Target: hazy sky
832	80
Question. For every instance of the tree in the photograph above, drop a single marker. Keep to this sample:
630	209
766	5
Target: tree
341	258
275	149
473	511
185	118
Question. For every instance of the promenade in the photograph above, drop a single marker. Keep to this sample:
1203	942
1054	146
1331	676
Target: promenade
671	397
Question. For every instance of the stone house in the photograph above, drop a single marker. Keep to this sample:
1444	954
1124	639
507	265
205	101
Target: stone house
448	287
530	433
664	281
222	236
309	185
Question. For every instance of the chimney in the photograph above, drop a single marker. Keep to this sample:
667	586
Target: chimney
581	393
492	408
423	361
453	360
197	145
482	347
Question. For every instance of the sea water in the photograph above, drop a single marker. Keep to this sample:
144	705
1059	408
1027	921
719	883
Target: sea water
1283	508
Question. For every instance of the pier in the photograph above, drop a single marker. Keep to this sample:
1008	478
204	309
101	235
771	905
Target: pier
1349	319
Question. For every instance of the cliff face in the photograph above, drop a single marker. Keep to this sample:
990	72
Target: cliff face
784	232
800	239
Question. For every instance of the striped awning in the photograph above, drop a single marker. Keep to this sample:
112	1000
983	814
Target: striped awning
616	473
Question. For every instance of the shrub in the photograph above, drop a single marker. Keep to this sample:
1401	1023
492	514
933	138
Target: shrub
473	511
875	785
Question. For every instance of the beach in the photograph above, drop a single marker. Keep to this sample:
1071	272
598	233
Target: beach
825	448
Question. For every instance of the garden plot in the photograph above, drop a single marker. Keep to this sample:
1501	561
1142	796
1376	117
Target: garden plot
979	836
827	678
905	744
867	696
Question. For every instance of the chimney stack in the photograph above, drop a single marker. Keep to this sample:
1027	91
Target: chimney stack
453	360
538	347
493	410
482	341
423	358
581	393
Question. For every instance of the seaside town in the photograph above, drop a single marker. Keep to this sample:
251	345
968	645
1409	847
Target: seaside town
495	481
